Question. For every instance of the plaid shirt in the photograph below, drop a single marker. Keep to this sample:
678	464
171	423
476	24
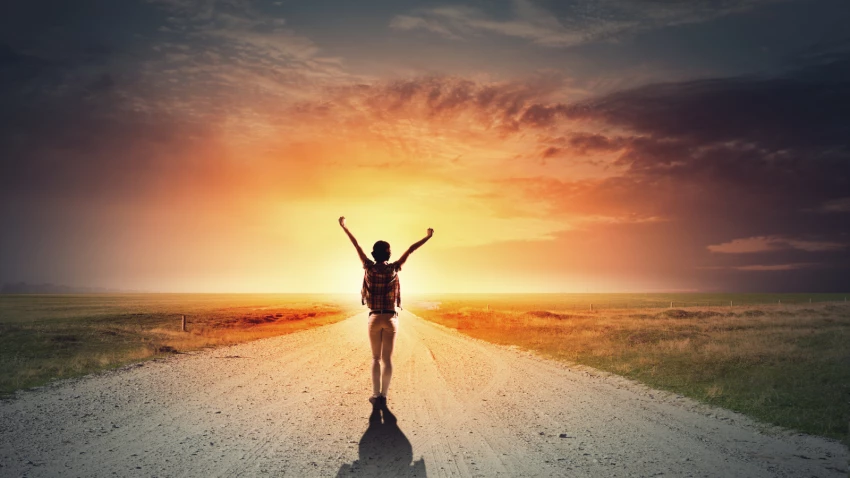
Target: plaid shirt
381	289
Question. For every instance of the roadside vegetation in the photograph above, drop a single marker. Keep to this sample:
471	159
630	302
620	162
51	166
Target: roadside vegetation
787	365
46	337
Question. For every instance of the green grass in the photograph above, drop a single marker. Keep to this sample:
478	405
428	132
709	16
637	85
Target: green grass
47	337
787	365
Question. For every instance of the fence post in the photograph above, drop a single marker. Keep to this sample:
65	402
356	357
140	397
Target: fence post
671	304
591	307
730	304
183	325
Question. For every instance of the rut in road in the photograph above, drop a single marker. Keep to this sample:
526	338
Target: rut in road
296	406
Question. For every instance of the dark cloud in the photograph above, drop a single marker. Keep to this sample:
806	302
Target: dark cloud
781	142
95	100
83	137
551	152
584	143
537	115
779	113
569	23
726	159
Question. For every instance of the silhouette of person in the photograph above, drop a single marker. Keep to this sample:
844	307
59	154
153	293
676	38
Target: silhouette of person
381	291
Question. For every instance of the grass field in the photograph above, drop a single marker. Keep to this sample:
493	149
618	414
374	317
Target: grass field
583	302
779	358
787	364
44	337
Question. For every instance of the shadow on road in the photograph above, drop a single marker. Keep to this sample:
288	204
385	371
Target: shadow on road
384	450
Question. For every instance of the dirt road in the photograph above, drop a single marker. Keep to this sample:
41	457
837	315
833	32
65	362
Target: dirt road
296	406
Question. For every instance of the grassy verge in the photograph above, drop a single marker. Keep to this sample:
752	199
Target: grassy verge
49	337
785	365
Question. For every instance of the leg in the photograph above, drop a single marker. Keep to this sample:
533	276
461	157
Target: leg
387	344
375	341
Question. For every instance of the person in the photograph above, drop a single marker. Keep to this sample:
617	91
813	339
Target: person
381	292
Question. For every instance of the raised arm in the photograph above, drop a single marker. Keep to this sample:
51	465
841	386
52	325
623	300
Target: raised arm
414	246
360	252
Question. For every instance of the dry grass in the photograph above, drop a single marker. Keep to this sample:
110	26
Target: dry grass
48	337
787	365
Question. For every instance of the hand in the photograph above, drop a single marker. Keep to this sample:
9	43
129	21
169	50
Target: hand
430	232
342	221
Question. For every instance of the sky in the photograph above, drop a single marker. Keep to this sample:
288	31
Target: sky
554	146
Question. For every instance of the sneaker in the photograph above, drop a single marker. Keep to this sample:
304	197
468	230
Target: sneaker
376	401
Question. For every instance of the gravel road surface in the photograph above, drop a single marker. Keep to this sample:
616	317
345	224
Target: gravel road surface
297	406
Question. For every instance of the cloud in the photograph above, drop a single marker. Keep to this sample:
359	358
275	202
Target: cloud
838	205
746	154
567	24
87	113
585	143
757	158
774	243
551	152
442	105
406	22
816	246
456	22
233	56
749	245
774	267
